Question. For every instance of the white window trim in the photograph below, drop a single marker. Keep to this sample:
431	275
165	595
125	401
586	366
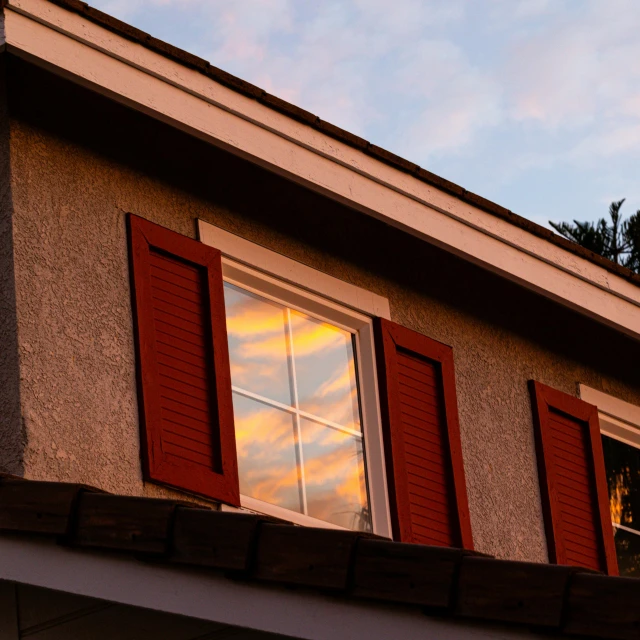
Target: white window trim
618	419
252	266
292	271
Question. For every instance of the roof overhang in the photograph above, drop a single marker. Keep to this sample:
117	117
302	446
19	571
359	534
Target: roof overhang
212	597
69	44
251	571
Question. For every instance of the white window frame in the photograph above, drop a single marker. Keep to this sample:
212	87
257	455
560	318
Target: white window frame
352	308
619	420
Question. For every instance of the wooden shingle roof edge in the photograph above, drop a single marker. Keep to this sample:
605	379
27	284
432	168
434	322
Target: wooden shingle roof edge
446	582
301	115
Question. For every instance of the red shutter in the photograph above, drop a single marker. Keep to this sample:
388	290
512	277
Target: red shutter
184	382
573	480
422	438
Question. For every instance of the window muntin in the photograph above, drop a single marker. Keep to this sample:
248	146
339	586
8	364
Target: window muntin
297	410
622	463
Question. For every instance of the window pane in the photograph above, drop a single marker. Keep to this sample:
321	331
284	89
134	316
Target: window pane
325	370
622	462
267	461
628	551
257	344
334	476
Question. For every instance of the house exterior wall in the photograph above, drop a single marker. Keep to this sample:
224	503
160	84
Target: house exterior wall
11	435
77	170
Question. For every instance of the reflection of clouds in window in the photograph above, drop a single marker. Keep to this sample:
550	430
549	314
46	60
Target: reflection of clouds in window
334	476
250	320
325	370
283	356
265	441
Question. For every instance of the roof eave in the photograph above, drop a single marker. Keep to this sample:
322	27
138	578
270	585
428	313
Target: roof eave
129	66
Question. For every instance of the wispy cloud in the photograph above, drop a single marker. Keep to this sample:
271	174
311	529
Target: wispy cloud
525	85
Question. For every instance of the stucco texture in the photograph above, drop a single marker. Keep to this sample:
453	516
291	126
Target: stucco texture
73	179
11	433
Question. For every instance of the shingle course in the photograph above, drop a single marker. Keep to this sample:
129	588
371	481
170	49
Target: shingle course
348	564
288	109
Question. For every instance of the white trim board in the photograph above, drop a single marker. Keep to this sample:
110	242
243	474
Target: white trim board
74	47
611	406
273	263
207	595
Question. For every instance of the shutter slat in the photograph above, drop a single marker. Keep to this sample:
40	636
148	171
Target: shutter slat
179	305
195	339
190	355
180	312
408	362
182	441
425	437
175	419
424	494
422	485
413	406
421	384
183	282
422	390
182	366
573	480
180	295
433	460
171	373
429	415
194	328
439	537
425	465
172	269
184	399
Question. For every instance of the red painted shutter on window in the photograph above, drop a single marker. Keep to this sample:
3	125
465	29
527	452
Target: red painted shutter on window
184	381
573	480
422	438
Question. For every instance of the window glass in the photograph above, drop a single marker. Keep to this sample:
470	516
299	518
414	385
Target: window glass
334	475
258	349
622	462
267	463
297	411
325	370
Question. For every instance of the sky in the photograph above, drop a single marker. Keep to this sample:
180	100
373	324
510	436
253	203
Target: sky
534	104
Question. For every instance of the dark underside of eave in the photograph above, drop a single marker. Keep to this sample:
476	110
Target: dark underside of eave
441	581
194	62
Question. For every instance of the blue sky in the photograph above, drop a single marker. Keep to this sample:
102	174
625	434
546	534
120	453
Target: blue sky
532	103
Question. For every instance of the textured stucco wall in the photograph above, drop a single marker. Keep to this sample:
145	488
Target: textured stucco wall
73	180
11	436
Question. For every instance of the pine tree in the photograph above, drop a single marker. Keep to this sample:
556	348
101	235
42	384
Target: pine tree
617	239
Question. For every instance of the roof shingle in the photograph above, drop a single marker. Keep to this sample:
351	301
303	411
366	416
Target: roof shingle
246	88
451	582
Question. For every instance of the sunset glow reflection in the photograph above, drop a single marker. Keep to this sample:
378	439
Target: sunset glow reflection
296	407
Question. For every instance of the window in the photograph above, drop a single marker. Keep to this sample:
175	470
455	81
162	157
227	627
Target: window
258	388
297	410
307	422
620	428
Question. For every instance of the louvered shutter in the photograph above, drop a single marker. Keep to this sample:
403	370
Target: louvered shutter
422	438
184	382
572	480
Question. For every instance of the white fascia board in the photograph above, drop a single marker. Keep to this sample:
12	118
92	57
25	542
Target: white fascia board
73	46
207	595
